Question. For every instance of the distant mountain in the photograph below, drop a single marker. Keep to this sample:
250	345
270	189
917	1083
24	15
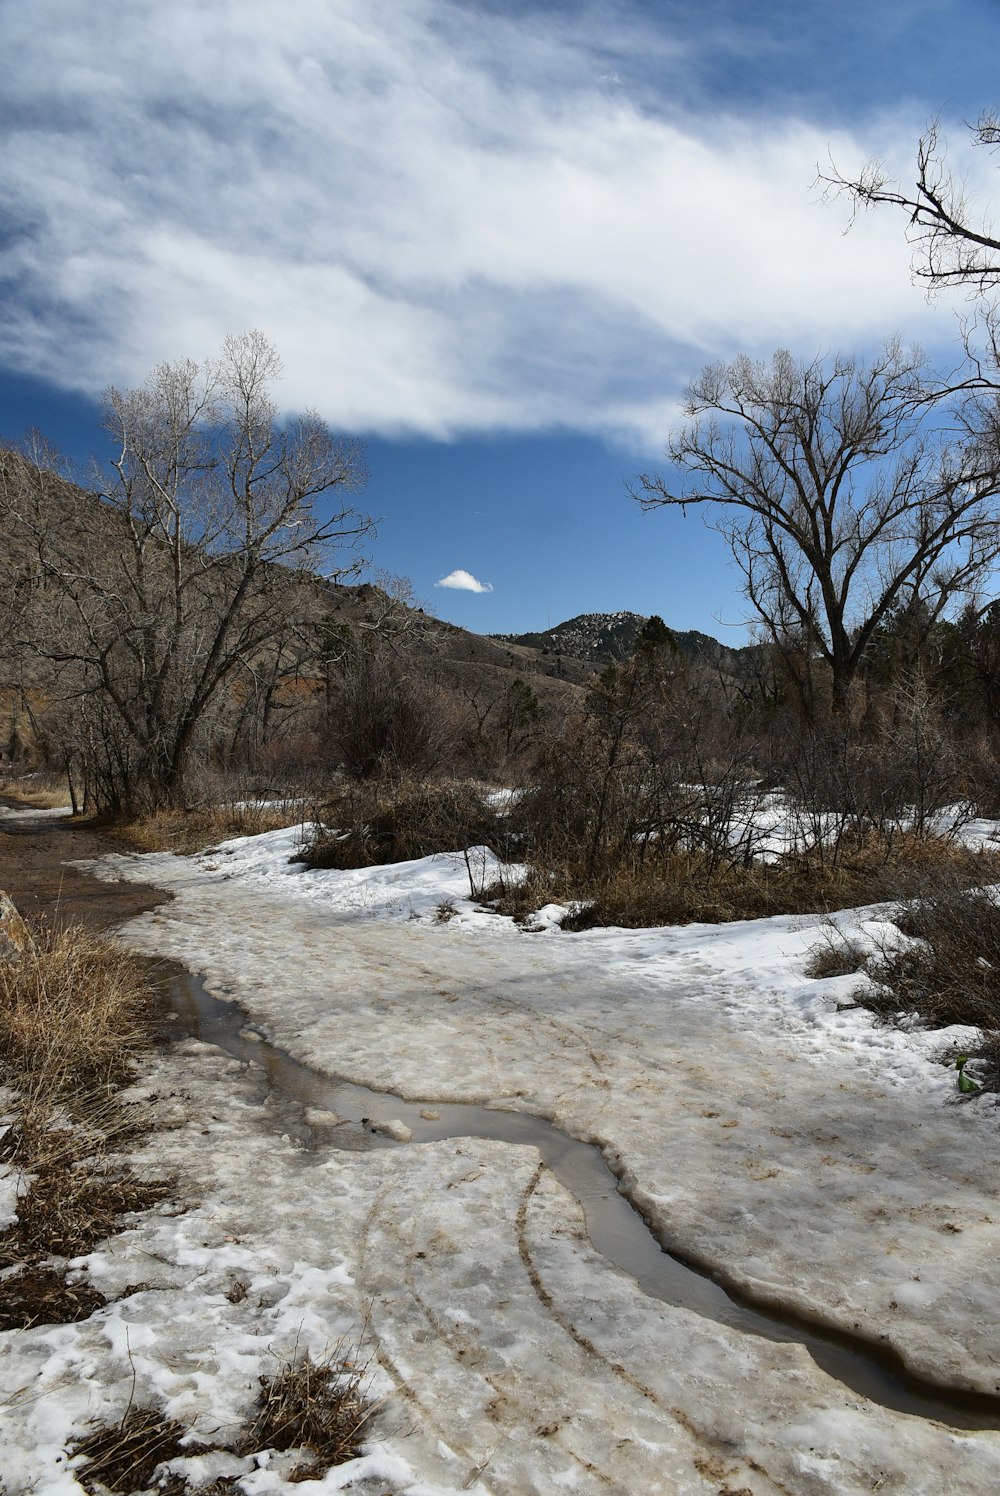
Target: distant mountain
608	638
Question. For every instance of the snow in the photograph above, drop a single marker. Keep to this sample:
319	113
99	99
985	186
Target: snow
819	1161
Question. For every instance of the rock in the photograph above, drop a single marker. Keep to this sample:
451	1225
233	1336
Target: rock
394	1129
15	937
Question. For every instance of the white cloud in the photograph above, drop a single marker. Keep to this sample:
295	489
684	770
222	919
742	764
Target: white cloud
443	217
464	581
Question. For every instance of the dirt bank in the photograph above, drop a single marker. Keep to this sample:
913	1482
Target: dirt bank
34	853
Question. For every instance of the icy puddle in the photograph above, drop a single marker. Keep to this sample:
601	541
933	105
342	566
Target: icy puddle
353	1117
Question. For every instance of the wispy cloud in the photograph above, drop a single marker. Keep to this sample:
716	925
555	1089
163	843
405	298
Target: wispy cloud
464	581
446	220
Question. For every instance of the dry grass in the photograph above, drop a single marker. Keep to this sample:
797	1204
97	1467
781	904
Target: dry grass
185	831
74	1013
124	1457
685	886
43	791
40	1295
74	1204
74	1010
319	1407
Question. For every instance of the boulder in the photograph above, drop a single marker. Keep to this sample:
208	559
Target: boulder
15	937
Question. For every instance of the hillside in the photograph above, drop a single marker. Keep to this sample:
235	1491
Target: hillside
606	638
36	505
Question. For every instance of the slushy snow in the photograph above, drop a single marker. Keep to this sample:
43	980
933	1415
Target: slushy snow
821	1162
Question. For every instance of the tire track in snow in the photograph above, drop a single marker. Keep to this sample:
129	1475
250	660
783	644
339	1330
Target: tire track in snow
699	1435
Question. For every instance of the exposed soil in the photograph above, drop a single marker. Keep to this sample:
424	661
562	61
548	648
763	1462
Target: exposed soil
33	870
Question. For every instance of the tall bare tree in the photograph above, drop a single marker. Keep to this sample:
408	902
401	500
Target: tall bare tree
215	522
839	492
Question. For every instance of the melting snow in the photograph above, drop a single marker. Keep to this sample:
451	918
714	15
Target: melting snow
823	1162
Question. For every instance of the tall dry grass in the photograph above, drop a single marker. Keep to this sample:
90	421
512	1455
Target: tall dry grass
186	831
74	1011
41	790
74	1014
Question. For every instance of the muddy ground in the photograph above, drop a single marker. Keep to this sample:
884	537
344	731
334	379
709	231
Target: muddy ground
34	872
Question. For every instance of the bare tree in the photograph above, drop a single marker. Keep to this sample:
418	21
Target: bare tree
217	522
839	492
955	244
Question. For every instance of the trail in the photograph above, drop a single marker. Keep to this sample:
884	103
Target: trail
819	1164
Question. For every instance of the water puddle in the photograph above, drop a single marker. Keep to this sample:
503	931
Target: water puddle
616	1228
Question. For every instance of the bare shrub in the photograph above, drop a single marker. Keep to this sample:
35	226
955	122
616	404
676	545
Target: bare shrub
950	971
387	719
835	956
396	822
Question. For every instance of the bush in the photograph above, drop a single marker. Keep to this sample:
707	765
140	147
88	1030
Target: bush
387	720
398	822
951	971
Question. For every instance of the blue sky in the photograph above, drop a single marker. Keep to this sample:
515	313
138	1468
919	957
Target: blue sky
494	240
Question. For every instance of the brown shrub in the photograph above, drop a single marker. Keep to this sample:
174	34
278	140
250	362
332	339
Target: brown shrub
384	823
691	886
951	971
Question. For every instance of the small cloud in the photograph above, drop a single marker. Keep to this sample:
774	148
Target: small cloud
464	581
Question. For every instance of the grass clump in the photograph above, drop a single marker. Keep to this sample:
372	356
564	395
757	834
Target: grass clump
317	1408
40	1295
74	1012
320	1407
124	1457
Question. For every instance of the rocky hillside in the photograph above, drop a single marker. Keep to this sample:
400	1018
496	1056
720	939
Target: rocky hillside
604	638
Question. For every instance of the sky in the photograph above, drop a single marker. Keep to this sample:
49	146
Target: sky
493	240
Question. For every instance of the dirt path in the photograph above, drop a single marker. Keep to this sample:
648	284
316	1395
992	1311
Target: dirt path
34	853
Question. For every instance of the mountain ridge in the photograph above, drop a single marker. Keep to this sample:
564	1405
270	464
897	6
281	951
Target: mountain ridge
610	638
